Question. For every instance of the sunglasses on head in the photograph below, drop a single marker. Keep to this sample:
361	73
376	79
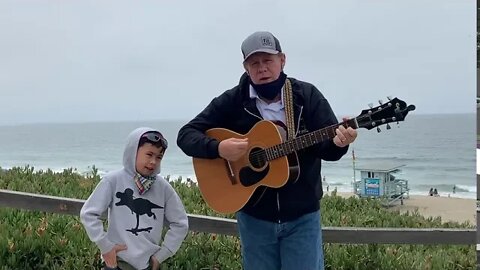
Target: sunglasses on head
156	137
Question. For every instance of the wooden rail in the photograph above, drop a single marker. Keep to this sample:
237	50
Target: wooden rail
207	224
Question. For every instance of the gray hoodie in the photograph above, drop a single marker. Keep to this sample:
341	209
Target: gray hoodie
135	220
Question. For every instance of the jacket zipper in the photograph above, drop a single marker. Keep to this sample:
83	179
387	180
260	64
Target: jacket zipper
298	122
278	206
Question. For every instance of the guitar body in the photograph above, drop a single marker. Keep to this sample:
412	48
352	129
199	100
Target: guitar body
227	186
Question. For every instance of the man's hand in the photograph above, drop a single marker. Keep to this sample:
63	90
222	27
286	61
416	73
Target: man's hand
232	149
110	257
154	263
345	136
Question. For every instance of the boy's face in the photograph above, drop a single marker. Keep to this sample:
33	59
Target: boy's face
148	159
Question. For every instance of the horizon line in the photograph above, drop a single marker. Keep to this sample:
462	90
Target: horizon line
167	120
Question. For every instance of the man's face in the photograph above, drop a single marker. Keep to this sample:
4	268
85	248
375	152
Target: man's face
264	67
148	159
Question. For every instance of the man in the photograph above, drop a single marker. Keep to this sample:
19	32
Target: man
279	227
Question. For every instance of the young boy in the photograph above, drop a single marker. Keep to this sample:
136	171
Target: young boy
138	200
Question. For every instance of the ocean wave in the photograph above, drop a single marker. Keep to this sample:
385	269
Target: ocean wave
422	160
338	183
446	187
463	195
466	188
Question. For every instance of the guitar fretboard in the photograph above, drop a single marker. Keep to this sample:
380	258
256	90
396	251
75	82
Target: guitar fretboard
306	140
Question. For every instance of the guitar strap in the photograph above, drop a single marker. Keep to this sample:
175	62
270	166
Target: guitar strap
288	99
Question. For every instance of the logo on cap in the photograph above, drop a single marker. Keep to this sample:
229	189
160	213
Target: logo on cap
266	41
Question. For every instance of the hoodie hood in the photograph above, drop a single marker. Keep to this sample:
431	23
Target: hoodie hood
130	152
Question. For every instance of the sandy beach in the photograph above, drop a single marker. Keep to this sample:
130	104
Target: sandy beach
449	209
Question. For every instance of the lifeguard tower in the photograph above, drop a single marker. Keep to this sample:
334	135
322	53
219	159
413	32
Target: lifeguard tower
379	180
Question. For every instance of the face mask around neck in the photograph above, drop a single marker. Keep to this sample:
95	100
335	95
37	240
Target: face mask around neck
270	90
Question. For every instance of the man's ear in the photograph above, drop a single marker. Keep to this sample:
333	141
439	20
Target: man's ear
283	60
246	70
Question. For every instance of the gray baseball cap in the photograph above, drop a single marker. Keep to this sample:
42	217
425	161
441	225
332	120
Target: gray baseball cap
260	41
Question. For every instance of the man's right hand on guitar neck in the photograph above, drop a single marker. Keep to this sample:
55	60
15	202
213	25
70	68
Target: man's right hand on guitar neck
232	149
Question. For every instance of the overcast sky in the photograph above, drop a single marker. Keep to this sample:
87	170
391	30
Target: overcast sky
71	61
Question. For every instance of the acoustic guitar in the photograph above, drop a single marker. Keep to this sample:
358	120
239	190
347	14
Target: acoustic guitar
271	161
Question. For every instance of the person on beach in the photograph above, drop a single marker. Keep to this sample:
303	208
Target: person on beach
325	183
435	192
279	228
430	193
138	201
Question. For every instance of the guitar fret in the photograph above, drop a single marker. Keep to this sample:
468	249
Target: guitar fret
331	130
304	141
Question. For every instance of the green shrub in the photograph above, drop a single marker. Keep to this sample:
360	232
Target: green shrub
38	240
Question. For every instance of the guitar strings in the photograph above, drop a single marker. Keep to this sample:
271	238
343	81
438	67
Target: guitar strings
261	156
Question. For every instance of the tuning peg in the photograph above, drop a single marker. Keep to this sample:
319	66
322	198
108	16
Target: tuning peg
389	98
398	124
370	105
388	126
380	101
378	130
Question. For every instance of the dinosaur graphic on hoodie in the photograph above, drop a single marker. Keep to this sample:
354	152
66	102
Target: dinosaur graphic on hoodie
138	206
133	219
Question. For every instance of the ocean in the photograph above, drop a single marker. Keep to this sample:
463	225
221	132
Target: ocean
437	151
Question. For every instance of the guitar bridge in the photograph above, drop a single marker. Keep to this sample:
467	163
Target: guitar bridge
231	173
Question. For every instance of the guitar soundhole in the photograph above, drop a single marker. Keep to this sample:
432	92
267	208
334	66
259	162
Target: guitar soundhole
257	158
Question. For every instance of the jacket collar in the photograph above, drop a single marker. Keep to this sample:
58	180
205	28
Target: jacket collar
250	103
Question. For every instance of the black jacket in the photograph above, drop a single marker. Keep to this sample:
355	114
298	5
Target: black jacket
236	111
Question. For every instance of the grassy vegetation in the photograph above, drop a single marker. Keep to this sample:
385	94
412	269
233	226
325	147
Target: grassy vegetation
37	240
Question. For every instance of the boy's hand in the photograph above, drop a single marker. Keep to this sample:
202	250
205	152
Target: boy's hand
155	264
111	256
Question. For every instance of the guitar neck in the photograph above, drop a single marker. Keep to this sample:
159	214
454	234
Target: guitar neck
307	140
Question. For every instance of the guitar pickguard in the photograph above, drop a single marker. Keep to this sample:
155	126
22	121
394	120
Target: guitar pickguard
249	177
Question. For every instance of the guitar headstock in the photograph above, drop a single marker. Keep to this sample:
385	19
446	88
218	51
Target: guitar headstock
395	110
